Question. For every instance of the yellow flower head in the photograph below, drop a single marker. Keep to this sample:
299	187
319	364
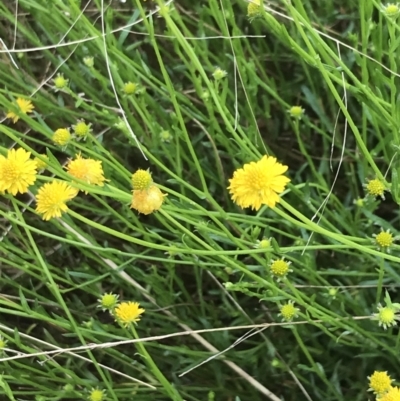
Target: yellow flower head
280	268
254	9
88	170
52	197
296	112
96	395
375	188
265	243
386	316
60	82
108	301
130	88
23	106
81	129
128	312
288	311
393	394
391	10
61	136
40	164
384	239
17	171
141	179
258	183
379	382
147	201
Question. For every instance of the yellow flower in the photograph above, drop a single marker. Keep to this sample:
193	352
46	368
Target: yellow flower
17	171
88	170
128	312
147	201
81	129
296	112
40	164
280	268
96	395
392	395
386	316
61	136
108	301
52	197
24	107
379	382
384	239
254	9
288	311
258	183
375	188
141	179
60	82
130	88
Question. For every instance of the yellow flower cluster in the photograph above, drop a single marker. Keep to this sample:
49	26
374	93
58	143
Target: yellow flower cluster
146	196
125	313
20	106
380	384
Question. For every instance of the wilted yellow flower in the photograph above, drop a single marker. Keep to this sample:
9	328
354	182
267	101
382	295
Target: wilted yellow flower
127	313
23	106
148	200
17	171
61	136
88	170
258	183
52	198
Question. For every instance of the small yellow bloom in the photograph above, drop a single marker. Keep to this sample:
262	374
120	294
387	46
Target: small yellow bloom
130	88
108	301
148	200
263	244
88	61
128	312
386	316
384	239
391	10
296	112
141	179
81	129
52	197
60	82
280	268
88	170
23	106
288	311
375	188
258	183
254	9
61	136
379	382
96	395
393	394
219	74
17	171
40	164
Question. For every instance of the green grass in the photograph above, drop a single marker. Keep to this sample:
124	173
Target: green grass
211	330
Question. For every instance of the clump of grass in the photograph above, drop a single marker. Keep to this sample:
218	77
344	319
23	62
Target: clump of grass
200	201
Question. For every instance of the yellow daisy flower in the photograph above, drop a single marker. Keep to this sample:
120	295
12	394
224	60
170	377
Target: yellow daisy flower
148	200
24	107
393	394
52	197
128	312
61	136
379	382
88	170
17	171
258	183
